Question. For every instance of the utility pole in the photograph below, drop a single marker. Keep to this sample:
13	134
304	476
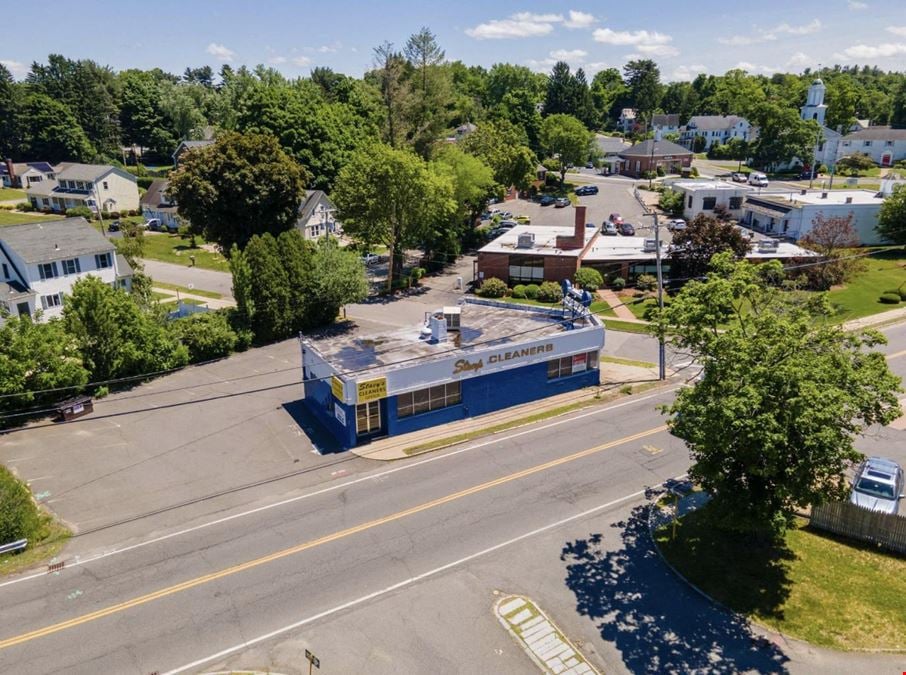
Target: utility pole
661	347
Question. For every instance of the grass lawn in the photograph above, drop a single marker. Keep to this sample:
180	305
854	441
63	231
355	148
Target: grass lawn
818	588
16	218
38	553
886	271
627	326
627	362
8	194
174	249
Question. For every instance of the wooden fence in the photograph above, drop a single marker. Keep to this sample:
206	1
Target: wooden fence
884	529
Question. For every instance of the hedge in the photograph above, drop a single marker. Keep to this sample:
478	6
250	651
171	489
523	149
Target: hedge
19	514
550	291
890	298
493	288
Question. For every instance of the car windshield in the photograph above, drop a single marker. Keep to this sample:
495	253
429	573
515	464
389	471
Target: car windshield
874	488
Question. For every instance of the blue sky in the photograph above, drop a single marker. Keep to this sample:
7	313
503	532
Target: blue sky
762	37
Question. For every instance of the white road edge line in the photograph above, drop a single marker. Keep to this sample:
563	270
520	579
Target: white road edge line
339	486
398	585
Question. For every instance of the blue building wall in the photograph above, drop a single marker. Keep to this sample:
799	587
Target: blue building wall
480	395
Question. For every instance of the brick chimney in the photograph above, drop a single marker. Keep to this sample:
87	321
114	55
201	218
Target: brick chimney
577	239
11	171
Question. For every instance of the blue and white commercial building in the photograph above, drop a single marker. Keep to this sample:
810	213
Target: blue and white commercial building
474	358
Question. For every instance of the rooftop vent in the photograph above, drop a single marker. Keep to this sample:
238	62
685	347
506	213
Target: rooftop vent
823	195
650	246
438	327
452	317
849	200
768	245
803	191
525	240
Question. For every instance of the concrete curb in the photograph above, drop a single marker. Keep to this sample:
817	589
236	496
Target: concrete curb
540	638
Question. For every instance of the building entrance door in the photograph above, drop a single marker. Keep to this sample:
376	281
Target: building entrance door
22	309
368	418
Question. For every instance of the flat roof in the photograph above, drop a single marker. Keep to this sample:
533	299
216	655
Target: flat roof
813	197
709	185
545	240
619	249
482	324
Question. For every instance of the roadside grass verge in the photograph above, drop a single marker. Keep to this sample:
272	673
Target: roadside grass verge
18	218
36	553
9	194
183	289
172	248
885	271
627	326
827	591
626	362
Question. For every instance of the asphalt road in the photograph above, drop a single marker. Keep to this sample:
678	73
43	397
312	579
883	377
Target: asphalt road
194	277
405	557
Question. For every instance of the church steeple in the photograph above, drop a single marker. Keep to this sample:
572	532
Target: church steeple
814	108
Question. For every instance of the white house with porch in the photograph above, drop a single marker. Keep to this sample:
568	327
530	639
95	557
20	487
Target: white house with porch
96	186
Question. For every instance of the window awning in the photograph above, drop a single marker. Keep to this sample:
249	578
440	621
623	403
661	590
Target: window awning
766	210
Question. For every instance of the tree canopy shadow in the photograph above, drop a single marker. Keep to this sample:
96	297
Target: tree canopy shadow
657	622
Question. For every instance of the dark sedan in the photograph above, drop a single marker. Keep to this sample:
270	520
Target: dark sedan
627	230
583	190
546	200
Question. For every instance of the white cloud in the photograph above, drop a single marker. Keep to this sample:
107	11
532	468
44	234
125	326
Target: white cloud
658	50
595	67
300	61
277	60
612	37
509	28
580	20
753	68
569	54
220	52
537	18
688	73
572	56
897	30
759	36
856	6
800	60
881	51
17	68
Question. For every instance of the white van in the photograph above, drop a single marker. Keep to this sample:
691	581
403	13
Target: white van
758	179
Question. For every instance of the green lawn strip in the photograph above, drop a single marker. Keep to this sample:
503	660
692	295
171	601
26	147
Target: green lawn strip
36	553
821	589
886	271
174	249
627	362
184	289
627	326
18	218
528	419
8	194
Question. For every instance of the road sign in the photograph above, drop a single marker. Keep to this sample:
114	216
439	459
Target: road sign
312	660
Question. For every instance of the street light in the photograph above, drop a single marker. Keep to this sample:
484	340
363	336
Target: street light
661	347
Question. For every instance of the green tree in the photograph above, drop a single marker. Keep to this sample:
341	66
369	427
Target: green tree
207	335
20	517
504	78
607	88
892	217
337	277
269	301
855	164
115	337
390	75
705	236
566	138
49	130
643	78
503	148
898	106
428	109
389	196
771	425
841	103
833	238
131	245
671	201
9	112
566	94
782	136
240	186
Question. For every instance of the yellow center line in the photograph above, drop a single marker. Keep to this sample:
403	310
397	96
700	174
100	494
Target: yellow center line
257	562
896	355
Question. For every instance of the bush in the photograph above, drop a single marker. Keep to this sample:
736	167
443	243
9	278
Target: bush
144	181
114	214
79	211
416	274
206	335
648	175
660	172
102	392
694	172
135	212
519	291
25	206
618	284
19	514
890	298
550	291
646	282
493	288
588	278
671	202
531	291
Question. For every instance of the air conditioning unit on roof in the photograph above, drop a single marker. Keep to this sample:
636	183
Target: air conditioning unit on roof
650	246
525	240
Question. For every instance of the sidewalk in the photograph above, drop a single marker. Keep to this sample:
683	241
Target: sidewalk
613	376
892	316
621	310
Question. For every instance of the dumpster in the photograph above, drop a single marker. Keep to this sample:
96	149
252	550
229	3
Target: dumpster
75	407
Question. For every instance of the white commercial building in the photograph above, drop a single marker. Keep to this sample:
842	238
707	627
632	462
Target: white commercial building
706	196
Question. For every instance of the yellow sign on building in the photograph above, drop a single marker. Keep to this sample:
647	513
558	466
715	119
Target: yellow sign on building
336	387
372	390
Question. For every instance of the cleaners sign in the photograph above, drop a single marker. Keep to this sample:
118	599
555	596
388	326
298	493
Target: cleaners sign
371	390
475	366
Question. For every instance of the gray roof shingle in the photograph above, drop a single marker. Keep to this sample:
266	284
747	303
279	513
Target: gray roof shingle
54	240
713	122
660	149
877	134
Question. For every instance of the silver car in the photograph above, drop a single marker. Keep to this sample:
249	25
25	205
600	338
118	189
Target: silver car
878	485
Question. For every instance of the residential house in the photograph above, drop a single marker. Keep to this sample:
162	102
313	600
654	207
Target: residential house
90	185
628	120
40	262
705	196
653	154
185	146
23	174
715	130
610	148
156	203
793	216
884	145
316	216
665	124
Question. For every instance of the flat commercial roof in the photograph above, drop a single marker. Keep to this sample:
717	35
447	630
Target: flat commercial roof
709	185
481	324
619	249
545	240
814	197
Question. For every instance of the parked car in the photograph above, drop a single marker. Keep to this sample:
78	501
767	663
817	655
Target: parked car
758	179
507	224
371	259
676	225
485	215
561	202
878	485
546	200
114	226
627	230
609	229
152	224
807	175
583	190
523	220
615	218
738	177
590	225
589	165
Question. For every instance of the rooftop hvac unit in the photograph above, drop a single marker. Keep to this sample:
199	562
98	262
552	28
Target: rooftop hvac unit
452	316
525	240
650	246
768	245
438	327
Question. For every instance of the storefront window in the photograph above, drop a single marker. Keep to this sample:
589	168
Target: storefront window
527	269
425	400
571	365
368	418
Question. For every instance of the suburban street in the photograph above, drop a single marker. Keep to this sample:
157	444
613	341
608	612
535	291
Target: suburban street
393	567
